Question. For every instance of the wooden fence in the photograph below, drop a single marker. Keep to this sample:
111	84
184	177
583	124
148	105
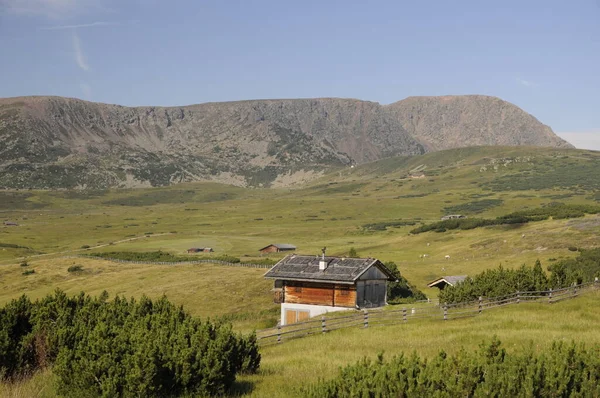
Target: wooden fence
203	261
444	312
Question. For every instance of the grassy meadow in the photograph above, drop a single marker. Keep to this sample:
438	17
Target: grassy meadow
333	211
288	367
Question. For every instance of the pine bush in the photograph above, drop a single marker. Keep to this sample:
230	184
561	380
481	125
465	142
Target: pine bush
122	347
564	369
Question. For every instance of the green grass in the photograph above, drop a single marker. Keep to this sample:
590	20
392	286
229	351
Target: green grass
287	367
205	290
330	212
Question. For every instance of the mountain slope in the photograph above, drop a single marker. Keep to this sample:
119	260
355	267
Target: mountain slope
470	120
55	142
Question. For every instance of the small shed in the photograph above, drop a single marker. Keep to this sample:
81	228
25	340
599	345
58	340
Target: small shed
11	224
200	250
277	247
307	286
444	281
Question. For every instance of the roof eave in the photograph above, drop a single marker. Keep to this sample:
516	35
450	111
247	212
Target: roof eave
282	278
438	281
383	268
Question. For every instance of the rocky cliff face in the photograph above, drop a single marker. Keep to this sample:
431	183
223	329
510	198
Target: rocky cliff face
54	142
470	120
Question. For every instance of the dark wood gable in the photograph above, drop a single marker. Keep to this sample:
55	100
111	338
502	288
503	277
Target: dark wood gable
373	272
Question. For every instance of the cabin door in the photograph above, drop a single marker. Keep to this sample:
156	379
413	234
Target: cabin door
294	316
368	297
380	292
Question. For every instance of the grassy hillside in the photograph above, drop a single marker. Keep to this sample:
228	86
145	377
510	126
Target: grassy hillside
289	366
370	208
335	212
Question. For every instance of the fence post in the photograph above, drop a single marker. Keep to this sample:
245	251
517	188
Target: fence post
596	283
480	304
550	297
518	297
279	332
323	329
366	319
574	292
445	311
404	314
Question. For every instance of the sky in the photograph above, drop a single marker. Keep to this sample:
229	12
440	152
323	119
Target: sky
543	56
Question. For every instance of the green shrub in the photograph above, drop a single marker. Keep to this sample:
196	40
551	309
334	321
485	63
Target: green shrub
556	211
29	272
75	268
501	282
352	253
85	246
384	225
122	347
497	282
24	264
13	246
156	256
477	206
583	268
573	249
563	370
226	258
165	257
401	291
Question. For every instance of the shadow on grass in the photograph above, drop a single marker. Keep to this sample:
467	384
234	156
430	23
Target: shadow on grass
240	388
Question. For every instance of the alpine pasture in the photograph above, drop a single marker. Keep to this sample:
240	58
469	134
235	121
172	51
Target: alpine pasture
370	208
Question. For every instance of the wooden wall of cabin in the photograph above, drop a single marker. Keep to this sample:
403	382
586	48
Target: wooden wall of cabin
371	293
335	295
270	249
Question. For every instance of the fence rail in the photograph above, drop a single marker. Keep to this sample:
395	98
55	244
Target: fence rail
434	311
203	261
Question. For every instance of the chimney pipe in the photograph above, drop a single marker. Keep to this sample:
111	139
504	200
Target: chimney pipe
322	262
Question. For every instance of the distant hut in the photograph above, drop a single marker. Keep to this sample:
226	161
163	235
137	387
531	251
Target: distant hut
208	250
444	281
10	224
277	247
195	250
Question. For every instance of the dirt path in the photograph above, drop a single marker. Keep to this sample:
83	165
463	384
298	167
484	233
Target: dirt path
4	262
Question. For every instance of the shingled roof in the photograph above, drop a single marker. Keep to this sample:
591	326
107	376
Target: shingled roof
451	280
281	246
339	269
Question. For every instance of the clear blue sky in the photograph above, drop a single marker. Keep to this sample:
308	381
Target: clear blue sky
544	56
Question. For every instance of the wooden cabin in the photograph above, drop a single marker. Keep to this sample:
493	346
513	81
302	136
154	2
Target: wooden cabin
307	286
444	281
277	247
200	250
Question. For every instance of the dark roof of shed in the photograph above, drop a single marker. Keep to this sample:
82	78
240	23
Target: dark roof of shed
281	246
339	269
451	280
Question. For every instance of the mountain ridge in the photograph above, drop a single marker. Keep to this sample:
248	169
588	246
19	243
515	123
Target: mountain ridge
58	142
